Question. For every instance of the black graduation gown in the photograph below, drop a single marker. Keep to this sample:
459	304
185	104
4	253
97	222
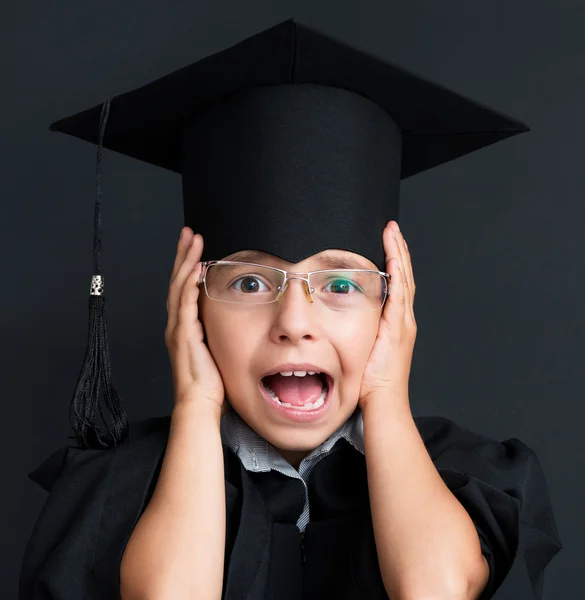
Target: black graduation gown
97	496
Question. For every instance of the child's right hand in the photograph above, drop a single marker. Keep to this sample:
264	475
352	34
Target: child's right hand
196	378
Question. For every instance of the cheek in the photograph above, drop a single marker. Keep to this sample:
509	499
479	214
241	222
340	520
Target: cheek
357	337
231	341
353	342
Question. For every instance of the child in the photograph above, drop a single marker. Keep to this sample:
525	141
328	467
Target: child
291	147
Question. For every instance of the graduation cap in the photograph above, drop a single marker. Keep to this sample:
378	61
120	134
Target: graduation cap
289	142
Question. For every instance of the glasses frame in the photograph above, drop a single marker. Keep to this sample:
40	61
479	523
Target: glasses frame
288	275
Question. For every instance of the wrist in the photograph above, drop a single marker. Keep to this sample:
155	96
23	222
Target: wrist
193	407
396	402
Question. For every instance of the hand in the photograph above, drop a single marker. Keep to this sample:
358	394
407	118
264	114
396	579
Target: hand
196	377
388	369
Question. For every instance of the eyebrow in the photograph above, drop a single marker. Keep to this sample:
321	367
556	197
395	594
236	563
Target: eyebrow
334	262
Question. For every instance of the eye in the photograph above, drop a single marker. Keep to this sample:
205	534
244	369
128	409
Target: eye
342	286
251	285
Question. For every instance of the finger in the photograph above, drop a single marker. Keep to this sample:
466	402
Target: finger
187	309
401	256
407	265
394	311
410	278
397	299
190	262
189	331
183	246
408	274
395	252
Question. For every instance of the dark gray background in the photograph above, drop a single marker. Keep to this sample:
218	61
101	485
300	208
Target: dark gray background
496	237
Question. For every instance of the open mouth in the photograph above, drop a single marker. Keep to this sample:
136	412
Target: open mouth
299	393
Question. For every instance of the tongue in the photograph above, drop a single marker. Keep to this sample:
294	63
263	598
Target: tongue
295	390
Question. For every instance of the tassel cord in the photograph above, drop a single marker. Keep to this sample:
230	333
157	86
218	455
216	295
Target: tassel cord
96	372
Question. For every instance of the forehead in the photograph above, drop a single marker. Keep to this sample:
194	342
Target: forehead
327	259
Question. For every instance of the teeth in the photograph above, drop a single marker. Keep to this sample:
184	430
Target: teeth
309	406
297	373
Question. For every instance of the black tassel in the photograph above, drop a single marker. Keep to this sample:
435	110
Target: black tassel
96	371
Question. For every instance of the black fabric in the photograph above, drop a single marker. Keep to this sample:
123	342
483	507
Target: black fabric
290	129
297	156
96	496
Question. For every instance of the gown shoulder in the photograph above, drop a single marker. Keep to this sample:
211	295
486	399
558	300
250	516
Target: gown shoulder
95	498
502	486
49	470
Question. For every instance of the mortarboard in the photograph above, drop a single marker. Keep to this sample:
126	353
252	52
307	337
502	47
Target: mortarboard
275	137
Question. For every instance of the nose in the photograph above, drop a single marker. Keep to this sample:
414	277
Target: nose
304	283
294	319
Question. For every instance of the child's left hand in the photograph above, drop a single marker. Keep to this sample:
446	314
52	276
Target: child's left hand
388	369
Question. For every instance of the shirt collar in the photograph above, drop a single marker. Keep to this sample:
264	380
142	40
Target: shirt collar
257	454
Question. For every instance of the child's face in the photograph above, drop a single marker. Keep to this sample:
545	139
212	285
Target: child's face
247	341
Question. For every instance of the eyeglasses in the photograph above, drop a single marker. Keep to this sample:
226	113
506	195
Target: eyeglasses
249	283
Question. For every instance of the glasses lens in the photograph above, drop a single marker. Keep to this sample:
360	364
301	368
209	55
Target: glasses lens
349	290
253	284
245	284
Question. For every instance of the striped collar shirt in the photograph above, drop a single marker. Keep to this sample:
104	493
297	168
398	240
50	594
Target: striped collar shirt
258	455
